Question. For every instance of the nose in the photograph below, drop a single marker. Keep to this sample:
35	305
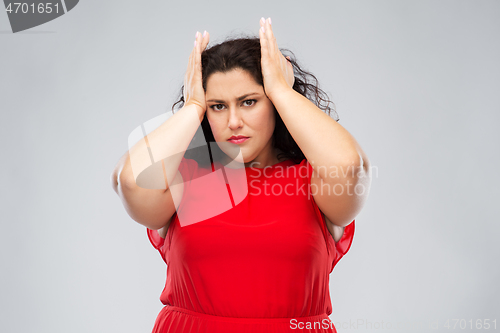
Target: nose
235	121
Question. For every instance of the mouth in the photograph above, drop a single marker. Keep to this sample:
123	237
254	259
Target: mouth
238	139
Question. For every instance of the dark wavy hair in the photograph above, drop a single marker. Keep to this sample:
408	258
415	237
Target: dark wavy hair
244	53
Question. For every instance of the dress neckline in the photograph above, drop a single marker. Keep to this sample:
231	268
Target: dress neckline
284	163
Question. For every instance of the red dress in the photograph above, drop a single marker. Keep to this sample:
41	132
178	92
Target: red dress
261	266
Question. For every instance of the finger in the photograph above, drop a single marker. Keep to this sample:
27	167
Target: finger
191	55
262	21
205	41
262	30
270	37
266	35
263	44
190	68
197	57
197	41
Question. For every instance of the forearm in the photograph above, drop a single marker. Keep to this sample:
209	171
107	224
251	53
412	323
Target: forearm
324	142
170	140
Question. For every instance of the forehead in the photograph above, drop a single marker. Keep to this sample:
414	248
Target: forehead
236	82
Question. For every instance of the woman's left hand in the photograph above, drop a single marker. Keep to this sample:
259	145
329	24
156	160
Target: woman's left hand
277	71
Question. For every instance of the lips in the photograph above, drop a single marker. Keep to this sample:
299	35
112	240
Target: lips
237	137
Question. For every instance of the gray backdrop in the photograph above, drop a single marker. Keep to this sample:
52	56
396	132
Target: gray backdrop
416	82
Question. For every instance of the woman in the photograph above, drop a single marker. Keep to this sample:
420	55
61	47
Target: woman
253	257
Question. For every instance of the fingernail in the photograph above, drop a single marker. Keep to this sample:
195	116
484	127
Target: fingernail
263	20
194	43
204	33
269	20
196	34
262	29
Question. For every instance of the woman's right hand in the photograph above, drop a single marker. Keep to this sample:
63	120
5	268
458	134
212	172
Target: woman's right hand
193	84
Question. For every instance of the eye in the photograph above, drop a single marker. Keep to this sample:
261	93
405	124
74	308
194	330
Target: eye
250	100
215	107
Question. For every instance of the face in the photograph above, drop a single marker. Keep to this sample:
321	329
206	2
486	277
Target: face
238	107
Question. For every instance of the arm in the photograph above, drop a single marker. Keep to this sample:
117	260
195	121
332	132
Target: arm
170	140
338	161
153	208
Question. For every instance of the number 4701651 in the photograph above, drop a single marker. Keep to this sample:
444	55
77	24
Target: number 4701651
22	7
479	324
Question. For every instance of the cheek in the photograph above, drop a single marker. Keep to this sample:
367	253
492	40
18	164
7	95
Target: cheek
264	124
214	126
215	133
270	123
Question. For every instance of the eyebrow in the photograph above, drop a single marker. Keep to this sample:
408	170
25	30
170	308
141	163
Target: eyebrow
239	98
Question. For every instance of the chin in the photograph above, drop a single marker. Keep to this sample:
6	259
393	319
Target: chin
231	151
242	157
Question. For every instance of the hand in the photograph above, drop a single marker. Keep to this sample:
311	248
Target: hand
277	72
193	85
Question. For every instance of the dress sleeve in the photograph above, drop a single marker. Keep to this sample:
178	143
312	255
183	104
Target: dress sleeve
343	245
305	172
156	240
187	168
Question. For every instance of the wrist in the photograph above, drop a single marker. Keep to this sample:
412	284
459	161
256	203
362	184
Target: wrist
276	94
200	110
